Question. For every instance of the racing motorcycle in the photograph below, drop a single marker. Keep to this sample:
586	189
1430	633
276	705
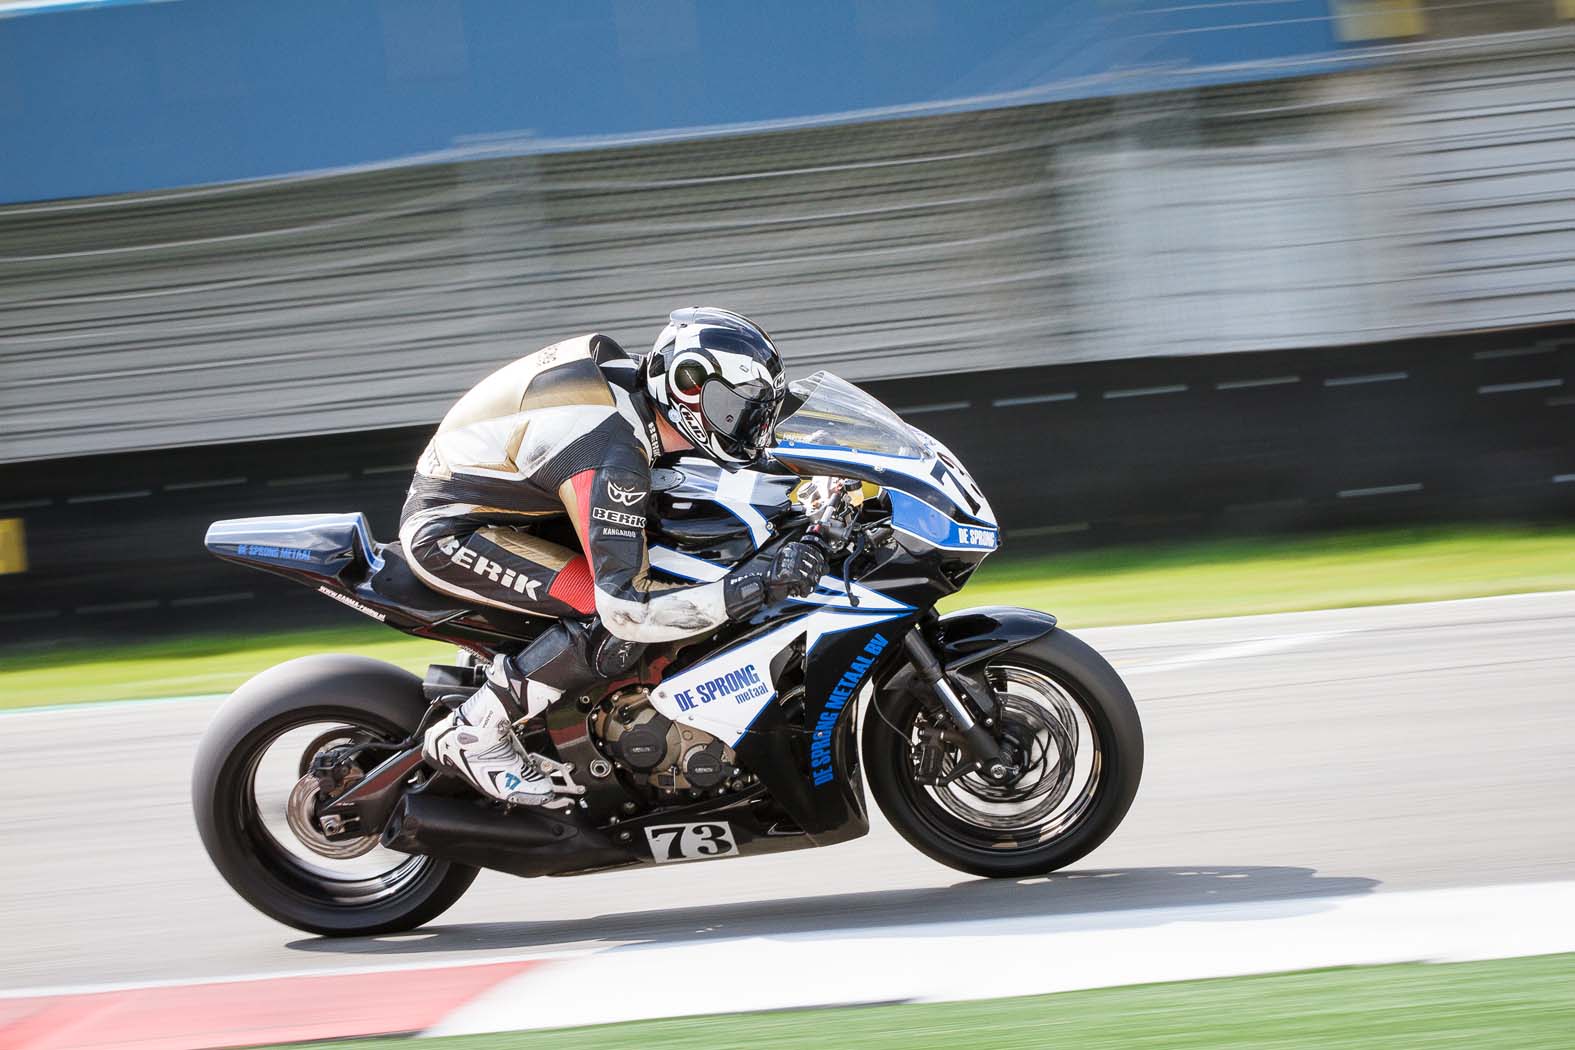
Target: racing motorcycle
994	741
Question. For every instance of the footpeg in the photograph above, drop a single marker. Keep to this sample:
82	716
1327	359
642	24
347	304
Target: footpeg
554	768
561	774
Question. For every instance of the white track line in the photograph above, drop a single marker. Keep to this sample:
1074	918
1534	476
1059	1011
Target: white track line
98	707
987	960
1234	651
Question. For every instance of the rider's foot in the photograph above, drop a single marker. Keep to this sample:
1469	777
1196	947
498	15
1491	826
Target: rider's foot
479	744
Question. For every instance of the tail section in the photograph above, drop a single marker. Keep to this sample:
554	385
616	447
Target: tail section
324	547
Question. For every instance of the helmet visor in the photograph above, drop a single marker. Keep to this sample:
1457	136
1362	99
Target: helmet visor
742	416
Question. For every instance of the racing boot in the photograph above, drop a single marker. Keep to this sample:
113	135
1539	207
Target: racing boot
478	742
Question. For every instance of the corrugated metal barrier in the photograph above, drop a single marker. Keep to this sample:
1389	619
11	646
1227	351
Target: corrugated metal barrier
1428	196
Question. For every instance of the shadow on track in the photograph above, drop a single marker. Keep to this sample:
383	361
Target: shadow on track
1097	897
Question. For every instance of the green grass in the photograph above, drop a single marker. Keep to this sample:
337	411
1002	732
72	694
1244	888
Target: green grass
1242	577
1136	585
1515	1004
189	666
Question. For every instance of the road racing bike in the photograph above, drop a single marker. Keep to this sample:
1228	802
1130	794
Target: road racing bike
994	741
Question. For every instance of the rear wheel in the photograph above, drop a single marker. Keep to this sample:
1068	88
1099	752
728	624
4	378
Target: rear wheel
1070	726
255	805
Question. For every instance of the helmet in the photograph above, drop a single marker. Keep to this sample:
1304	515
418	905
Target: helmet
719	380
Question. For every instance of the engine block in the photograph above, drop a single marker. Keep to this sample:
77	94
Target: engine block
657	752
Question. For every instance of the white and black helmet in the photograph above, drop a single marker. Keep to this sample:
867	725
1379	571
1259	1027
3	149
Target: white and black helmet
719	380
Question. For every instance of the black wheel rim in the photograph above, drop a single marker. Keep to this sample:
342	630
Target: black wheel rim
380	878
1059	747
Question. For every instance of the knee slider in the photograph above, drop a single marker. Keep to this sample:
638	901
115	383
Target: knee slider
612	656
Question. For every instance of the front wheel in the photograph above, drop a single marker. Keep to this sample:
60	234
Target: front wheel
1074	732
255	802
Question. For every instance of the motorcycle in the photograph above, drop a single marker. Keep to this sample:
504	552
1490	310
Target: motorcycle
994	741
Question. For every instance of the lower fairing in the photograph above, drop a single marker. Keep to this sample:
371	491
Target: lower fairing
532	843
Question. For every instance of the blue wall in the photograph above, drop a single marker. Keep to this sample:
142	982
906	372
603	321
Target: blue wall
109	97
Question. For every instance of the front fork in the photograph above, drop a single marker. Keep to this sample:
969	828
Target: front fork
980	746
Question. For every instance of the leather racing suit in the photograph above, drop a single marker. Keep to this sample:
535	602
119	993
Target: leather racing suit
560	432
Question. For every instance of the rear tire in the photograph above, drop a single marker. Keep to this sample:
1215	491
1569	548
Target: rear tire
935	829
381	701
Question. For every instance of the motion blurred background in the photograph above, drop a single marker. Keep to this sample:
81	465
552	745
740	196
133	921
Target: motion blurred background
1231	306
1155	270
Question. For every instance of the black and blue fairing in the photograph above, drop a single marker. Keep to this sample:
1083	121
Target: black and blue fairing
839	430
712	513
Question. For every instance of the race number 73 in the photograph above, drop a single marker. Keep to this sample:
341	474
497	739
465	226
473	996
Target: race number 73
670	842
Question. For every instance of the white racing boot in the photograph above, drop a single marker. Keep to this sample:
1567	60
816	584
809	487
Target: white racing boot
477	741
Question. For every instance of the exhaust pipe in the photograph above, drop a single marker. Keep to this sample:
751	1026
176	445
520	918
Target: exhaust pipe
524	842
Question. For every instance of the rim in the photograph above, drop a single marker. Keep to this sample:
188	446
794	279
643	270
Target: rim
365	874
1059	749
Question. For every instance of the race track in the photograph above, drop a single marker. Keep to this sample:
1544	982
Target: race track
1310	754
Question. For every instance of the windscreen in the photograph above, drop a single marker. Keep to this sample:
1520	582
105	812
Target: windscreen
837	413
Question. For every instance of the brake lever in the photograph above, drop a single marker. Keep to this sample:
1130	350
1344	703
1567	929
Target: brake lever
859	543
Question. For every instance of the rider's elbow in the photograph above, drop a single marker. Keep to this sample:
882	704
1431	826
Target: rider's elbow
626	618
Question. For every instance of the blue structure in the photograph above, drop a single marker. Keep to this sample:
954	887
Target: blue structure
117	96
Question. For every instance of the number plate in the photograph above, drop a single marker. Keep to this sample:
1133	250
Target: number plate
670	842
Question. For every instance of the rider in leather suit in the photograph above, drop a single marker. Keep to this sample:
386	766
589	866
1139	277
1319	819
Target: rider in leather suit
572	431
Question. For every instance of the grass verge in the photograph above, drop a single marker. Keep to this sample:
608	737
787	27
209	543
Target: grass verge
1134	585
1243	577
190	666
1513	1004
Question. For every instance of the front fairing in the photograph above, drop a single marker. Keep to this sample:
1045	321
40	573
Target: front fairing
840	430
837	430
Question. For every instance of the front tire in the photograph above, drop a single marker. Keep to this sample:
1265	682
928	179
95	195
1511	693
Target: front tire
1056	694
311	702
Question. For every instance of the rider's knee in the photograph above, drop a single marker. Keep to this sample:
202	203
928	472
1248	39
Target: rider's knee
572	655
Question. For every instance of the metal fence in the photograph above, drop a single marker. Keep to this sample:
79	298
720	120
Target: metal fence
1428	195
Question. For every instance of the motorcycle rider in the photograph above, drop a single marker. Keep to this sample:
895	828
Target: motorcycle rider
573	430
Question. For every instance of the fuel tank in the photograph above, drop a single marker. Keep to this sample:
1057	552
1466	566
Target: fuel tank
718	515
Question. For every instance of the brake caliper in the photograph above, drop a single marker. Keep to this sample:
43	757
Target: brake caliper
932	756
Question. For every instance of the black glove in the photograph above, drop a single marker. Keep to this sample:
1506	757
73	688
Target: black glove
795	571
792	573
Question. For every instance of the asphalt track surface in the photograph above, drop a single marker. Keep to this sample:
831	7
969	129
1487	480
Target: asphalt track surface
1293	756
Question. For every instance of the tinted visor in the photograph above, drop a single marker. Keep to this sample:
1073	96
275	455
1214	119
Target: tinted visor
742	416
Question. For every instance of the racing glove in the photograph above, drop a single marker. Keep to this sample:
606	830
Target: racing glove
793	572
